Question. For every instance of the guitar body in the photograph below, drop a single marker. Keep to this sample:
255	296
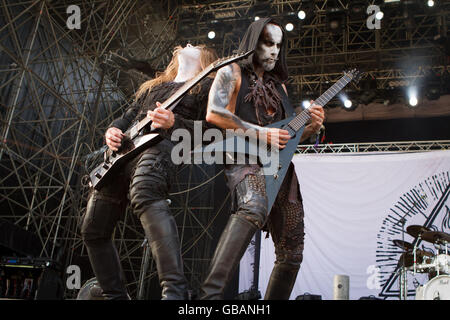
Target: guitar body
274	163
275	179
114	161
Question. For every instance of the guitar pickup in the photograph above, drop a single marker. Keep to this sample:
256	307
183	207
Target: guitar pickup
98	175
105	166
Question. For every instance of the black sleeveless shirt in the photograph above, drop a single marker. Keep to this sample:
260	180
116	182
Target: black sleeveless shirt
261	103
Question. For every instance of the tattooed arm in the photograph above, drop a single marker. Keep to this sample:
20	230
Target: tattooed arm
222	100
222	105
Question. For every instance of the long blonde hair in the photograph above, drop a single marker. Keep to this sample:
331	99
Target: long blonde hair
207	56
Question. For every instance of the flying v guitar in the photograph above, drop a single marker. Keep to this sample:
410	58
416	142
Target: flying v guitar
276	162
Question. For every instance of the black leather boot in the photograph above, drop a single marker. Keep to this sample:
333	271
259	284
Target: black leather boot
107	269
230	249
282	280
161	231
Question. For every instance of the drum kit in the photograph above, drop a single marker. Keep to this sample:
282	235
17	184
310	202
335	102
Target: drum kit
436	265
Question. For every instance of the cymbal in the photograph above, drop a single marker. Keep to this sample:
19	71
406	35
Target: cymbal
416	230
403	244
408	257
436	236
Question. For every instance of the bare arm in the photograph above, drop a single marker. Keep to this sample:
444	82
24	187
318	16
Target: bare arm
222	100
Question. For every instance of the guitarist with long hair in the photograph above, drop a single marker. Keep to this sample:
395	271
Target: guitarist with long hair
147	179
251	95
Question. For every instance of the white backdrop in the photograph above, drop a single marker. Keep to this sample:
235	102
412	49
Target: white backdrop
352	207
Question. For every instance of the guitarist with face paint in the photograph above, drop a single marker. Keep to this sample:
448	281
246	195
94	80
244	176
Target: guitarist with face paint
251	95
147	179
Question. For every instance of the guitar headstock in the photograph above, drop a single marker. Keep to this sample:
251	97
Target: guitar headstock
227	60
354	74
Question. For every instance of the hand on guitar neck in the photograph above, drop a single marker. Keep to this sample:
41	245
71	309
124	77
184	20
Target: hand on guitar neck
113	138
161	118
317	118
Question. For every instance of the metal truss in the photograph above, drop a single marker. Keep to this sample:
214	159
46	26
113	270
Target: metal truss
59	90
376	147
403	48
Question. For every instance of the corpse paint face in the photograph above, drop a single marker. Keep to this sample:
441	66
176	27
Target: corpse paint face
189	57
268	47
188	63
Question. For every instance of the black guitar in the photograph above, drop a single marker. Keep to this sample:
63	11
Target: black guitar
133	143
276	162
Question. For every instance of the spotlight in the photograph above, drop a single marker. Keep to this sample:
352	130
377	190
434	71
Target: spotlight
306	104
211	35
430	3
413	101
412	94
301	14
334	24
433	93
289	27
335	21
379	15
348	103
256	18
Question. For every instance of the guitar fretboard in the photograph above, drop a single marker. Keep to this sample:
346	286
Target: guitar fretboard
301	119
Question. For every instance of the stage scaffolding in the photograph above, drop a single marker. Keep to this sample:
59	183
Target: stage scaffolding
400	146
61	87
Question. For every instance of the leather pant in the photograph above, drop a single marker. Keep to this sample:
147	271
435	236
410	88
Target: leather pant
285	224
147	179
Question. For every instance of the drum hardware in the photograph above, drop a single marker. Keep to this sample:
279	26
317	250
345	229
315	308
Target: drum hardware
403	244
416	232
437	288
437	265
403	285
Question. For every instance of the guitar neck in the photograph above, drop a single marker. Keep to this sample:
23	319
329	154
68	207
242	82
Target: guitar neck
301	119
170	103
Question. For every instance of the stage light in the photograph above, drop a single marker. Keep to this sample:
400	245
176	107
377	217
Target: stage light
289	27
413	101
348	103
211	35
306	104
379	15
412	95
345	100
430	3
301	14
433	93
256	18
